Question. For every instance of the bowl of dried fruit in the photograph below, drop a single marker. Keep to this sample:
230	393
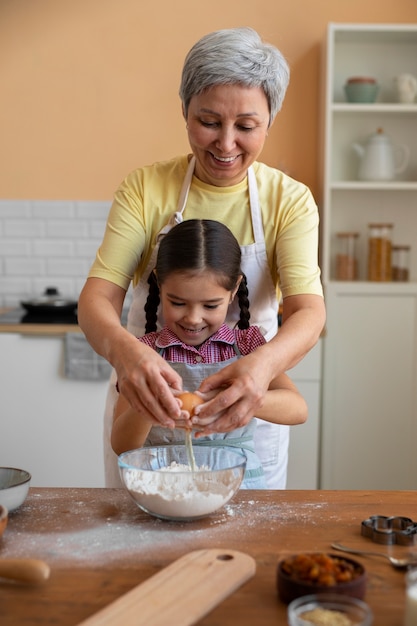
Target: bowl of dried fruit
316	572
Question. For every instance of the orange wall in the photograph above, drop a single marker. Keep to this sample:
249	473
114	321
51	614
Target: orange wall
89	88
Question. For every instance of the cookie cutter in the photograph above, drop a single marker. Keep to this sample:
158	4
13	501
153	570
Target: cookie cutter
390	530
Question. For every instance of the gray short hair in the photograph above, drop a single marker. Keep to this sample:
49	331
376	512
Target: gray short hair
235	56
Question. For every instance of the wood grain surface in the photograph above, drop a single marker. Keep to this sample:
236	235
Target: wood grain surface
180	593
99	546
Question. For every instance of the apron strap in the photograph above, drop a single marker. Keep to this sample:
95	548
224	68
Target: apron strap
258	229
182	200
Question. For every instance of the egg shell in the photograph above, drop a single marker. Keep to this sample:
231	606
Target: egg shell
190	401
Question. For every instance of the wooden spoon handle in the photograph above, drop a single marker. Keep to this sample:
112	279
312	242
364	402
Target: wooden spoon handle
24	570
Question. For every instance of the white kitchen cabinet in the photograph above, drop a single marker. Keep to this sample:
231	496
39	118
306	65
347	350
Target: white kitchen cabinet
49	425
304	450
369	401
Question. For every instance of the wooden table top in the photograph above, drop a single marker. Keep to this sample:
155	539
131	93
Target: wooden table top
99	545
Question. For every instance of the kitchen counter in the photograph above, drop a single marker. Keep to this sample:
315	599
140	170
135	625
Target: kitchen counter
99	546
37	329
53	330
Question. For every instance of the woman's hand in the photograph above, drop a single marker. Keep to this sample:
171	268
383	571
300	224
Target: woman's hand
149	384
237	392
246	381
144	378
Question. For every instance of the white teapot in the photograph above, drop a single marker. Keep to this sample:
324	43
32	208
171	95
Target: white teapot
406	85
378	158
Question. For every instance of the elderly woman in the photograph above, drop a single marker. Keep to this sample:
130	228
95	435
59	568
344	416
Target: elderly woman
232	87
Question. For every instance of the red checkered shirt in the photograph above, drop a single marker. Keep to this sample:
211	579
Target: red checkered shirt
218	347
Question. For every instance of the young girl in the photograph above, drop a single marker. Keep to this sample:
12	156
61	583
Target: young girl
196	278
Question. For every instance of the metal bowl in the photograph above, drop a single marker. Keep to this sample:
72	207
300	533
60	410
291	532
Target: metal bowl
161	482
3	519
14	487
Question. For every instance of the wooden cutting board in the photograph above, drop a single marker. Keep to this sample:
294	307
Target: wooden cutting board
180	594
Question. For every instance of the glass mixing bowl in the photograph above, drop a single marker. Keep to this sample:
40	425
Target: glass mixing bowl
161	482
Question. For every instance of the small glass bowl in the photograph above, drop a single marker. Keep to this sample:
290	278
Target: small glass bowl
347	611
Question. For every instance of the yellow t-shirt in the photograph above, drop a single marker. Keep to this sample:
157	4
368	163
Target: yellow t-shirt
148	197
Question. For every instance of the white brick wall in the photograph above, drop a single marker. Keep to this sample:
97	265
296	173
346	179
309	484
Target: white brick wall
47	244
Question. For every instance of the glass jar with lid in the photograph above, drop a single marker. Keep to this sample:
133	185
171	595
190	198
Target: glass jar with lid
400	263
379	252
346	261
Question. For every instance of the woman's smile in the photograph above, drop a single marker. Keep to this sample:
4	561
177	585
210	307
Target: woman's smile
227	127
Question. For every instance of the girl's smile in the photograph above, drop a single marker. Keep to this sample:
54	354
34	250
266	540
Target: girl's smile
194	305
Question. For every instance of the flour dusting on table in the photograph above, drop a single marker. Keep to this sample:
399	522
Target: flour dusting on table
104	527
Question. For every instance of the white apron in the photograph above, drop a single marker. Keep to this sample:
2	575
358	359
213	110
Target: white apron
271	440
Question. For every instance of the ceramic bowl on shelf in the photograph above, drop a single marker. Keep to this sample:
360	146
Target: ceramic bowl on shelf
316	572
331	609
14	487
361	89
161	482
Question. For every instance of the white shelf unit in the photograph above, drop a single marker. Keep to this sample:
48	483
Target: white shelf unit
383	51
369	382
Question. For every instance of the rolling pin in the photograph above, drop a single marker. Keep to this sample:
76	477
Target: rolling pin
24	570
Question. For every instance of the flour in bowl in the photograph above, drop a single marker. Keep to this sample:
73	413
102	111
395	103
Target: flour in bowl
186	496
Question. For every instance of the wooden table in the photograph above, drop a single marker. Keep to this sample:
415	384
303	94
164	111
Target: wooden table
99	545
